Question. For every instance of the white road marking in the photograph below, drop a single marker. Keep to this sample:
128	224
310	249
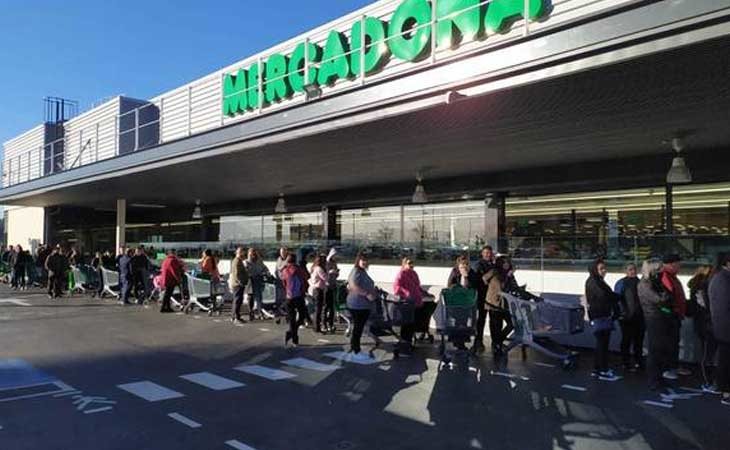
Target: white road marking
688	389
508	375
217	320
212	381
362	359
574	388
66	394
542	364
184	420
323	341
57	384
264	330
98	410
660	404
610	380
238	445
150	391
305	363
16	302
82	402
265	372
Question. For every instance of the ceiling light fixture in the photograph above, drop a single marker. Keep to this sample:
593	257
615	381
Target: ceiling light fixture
419	195
679	172
280	207
197	213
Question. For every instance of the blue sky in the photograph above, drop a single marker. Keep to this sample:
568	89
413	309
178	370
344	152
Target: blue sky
87	50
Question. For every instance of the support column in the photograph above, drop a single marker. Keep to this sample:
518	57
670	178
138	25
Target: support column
330	232
495	222
121	229
669	211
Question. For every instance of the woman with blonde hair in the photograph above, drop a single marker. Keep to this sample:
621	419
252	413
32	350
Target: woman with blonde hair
257	272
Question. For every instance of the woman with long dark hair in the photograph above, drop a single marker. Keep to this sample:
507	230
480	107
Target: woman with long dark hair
500	279
603	306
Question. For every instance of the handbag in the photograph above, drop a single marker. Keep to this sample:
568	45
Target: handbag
602	324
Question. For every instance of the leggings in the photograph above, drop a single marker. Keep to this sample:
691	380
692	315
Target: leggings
319	300
603	339
722	375
329	308
359	319
496	330
294	306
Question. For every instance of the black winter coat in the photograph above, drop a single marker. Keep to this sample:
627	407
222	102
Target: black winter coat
602	301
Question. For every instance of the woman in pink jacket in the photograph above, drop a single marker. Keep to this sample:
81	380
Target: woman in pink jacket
407	286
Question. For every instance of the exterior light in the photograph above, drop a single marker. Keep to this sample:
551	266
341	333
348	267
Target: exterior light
280	207
312	91
679	172
419	195
197	213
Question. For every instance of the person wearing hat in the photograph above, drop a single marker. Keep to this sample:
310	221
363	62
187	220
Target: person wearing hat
670	281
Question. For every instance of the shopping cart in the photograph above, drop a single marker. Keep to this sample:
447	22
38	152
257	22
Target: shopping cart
341	306
206	295
455	317
389	312
422	329
537	322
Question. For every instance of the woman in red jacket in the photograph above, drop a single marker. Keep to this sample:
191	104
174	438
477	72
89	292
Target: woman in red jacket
407	286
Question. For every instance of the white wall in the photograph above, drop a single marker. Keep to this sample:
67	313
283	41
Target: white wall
25	226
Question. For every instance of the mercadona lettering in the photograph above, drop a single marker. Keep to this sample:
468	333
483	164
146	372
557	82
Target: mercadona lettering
407	37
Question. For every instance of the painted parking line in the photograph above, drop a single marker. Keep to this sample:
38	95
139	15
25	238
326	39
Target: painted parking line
265	330
360	358
265	372
184	420
152	392
323	341
659	404
542	364
98	410
574	388
508	375
239	445
305	363
212	381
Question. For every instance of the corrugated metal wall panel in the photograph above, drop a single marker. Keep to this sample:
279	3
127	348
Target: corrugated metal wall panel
81	134
21	156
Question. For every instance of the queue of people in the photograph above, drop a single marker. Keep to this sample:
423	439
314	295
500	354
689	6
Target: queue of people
656	305
649	304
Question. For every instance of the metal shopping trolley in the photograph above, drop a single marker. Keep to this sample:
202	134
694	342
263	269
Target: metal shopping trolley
537	321
389	312
455	317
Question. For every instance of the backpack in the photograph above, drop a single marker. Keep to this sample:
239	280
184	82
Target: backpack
294	286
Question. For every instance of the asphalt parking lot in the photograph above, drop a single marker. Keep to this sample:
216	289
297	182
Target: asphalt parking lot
87	374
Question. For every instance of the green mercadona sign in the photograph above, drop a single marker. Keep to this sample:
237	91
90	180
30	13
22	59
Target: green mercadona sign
407	37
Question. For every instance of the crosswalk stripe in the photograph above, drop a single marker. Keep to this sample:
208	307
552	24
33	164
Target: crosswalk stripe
212	381
184	420
362	359
238	445
152	392
265	372
305	363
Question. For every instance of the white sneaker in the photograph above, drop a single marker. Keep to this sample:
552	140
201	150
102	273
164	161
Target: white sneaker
670	375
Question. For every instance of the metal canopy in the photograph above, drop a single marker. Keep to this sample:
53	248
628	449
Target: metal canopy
623	111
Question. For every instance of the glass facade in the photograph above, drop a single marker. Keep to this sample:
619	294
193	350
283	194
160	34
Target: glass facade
556	231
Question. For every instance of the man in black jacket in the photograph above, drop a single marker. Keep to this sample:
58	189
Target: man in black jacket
140	267
631	320
719	293
484	269
125	276
56	265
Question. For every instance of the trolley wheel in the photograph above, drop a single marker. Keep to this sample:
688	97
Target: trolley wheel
210	313
569	364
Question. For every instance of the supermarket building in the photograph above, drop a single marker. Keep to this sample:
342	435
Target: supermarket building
546	128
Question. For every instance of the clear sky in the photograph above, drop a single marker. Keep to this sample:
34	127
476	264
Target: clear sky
87	50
